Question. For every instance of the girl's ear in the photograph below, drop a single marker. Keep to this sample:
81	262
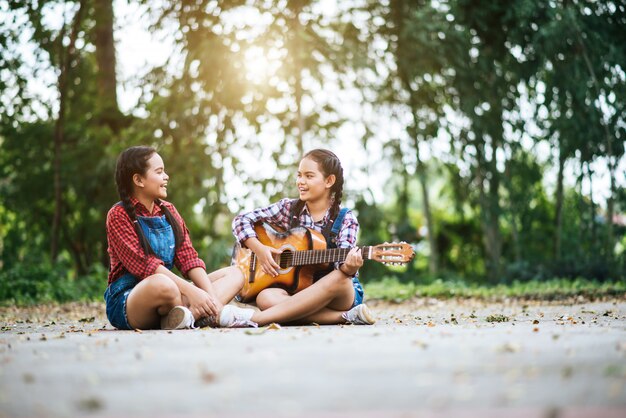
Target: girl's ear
137	180
330	181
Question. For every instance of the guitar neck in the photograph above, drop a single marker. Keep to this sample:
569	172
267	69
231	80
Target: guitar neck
308	257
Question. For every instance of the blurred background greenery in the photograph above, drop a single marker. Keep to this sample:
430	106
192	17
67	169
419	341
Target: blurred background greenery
488	134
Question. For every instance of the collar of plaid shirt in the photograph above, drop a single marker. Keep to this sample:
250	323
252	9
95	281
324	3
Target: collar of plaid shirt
141	210
305	211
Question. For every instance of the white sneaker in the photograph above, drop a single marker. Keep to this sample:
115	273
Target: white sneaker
235	317
180	317
359	315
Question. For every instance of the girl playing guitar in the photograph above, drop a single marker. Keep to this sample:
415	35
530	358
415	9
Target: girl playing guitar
335	298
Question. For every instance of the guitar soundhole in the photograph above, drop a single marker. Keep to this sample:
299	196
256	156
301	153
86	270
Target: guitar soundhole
286	259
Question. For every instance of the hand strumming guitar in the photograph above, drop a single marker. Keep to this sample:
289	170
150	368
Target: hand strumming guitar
264	256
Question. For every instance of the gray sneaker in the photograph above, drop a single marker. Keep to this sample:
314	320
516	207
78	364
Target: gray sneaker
359	315
235	317
180	317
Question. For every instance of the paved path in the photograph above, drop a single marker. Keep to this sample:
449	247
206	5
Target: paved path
425	358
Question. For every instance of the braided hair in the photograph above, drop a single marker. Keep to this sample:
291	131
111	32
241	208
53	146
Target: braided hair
329	164
134	160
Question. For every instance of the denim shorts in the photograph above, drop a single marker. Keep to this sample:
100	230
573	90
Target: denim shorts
358	291
115	297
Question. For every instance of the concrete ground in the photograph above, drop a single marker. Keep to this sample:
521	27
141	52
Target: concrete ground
422	358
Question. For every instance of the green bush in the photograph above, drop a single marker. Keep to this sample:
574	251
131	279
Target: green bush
391	289
26	284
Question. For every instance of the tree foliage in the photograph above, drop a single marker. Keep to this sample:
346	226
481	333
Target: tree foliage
508	115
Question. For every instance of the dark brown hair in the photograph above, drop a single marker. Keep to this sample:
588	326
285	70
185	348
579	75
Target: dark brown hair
329	164
134	160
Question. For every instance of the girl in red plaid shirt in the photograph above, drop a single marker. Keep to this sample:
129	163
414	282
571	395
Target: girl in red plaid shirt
335	298
147	237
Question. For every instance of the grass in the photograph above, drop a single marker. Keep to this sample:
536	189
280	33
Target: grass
31	284
390	289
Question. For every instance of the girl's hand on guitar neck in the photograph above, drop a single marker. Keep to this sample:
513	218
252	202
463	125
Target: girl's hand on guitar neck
354	261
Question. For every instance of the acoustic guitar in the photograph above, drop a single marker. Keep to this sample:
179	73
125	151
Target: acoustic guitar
304	255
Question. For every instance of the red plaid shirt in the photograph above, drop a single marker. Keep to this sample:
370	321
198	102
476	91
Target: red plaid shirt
127	254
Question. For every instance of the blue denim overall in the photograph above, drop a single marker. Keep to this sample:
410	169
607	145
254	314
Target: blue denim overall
160	235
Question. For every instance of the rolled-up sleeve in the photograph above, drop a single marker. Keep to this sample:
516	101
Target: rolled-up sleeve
277	213
346	238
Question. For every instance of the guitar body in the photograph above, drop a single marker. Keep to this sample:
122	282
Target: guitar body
291	278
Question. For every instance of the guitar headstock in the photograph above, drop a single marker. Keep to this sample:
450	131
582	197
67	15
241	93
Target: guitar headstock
393	253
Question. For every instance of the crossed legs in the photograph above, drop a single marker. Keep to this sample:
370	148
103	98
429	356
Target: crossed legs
323	302
156	295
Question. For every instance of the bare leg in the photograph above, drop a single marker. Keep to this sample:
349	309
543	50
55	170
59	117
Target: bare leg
152	298
274	296
333	292
227	282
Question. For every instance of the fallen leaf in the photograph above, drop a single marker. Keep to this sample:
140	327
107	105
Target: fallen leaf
509	348
255	331
613	371
567	372
90	404
497	318
207	376
420	344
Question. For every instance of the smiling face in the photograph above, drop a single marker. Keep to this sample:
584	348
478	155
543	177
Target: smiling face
312	184
153	183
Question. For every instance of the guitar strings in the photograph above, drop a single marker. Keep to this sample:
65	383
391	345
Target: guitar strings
304	257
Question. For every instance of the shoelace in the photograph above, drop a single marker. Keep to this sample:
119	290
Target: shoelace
244	323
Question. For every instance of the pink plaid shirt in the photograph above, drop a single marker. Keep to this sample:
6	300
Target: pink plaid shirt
278	214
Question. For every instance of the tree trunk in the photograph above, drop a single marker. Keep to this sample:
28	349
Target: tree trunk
398	16
105	58
517	248
433	260
300	117
582	231
65	62
592	210
489	211
295	51
558	219
610	210
608	138
493	237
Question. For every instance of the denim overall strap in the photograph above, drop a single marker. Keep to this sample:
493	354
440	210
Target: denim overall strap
331	231
160	235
